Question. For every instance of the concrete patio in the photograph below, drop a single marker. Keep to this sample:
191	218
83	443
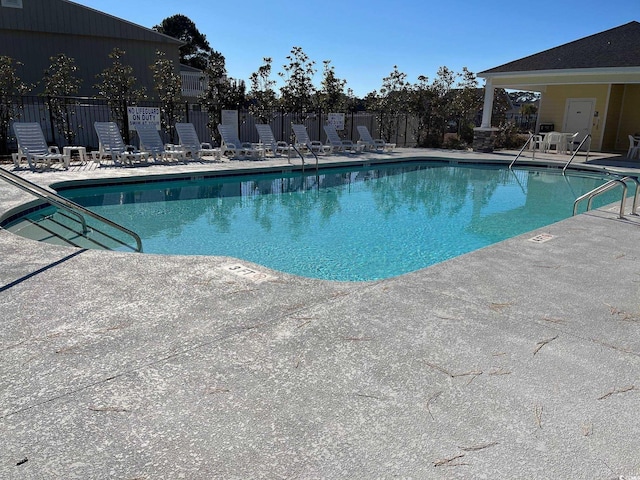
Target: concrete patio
519	360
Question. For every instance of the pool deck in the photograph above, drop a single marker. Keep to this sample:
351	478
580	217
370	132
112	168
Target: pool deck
519	360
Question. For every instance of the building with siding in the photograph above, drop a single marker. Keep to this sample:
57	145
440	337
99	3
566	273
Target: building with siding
32	31
590	86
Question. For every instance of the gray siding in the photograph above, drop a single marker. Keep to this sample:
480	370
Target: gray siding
44	28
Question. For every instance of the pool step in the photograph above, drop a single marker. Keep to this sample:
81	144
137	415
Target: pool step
61	229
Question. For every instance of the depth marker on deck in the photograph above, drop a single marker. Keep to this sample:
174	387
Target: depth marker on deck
248	273
543	237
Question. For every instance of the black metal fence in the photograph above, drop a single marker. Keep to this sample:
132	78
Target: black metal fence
83	112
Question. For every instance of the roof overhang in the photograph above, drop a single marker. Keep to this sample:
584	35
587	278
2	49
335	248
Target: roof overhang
540	79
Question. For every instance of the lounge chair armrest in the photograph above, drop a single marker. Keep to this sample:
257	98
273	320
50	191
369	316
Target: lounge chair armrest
172	147
282	144
206	145
54	149
316	143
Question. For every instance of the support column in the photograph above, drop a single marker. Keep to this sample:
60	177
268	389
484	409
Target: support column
487	108
483	137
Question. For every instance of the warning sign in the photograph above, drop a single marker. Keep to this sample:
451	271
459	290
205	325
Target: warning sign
143	116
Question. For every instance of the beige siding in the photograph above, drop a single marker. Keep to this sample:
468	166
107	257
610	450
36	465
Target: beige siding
629	117
554	104
612	120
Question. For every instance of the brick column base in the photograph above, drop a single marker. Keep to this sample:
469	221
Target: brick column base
484	139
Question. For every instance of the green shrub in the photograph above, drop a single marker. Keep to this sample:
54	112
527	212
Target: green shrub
507	137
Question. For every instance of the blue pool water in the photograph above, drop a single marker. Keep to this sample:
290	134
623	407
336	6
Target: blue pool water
347	225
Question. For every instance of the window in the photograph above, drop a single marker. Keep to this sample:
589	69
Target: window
11	3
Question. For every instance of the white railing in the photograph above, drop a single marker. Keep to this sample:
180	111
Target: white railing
193	83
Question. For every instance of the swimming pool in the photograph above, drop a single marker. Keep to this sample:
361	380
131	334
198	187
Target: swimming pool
347	225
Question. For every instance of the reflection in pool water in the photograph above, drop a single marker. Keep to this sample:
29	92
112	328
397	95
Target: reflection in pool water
343	224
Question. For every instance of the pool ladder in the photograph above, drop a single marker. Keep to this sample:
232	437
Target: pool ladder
302	157
533	157
72	208
610	185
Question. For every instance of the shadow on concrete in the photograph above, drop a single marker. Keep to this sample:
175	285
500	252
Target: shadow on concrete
40	270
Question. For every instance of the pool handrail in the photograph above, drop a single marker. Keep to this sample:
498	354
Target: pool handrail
609	186
522	150
302	157
64	203
588	136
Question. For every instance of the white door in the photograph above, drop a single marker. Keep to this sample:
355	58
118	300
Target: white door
579	116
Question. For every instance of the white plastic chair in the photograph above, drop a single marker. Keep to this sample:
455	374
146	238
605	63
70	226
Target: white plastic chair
338	144
553	142
303	140
33	146
231	144
151	143
269	142
112	145
573	142
373	144
634	147
190	142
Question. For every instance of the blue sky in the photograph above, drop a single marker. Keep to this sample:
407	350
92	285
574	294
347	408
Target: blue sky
365	39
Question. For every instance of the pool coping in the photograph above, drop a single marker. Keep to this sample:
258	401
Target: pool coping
519	360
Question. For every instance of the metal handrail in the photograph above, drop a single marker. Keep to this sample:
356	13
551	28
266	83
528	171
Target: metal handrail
64	203
302	157
314	154
300	154
577	150
611	184
522	150
636	196
17	183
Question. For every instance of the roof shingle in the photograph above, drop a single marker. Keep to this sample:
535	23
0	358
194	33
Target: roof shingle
617	47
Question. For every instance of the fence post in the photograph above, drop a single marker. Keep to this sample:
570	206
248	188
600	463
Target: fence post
125	123
406	128
53	132
352	119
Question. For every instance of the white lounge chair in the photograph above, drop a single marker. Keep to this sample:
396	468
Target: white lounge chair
232	145
270	143
338	144
112	146
151	143
370	144
303	141
33	146
192	145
